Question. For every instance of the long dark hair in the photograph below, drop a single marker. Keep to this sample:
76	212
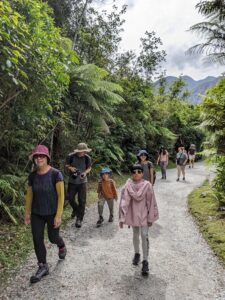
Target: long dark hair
162	150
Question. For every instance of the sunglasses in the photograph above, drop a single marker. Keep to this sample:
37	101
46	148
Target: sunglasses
39	156
137	172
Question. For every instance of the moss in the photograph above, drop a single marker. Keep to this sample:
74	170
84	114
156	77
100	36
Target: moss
16	241
205	209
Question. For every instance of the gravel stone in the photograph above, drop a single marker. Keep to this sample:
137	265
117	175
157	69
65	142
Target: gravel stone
99	260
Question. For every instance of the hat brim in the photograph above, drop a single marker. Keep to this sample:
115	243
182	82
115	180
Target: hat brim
38	153
85	150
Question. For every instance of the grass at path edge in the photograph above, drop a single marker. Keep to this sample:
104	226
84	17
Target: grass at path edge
211	222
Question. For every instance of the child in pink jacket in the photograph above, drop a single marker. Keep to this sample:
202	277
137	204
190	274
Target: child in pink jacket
138	208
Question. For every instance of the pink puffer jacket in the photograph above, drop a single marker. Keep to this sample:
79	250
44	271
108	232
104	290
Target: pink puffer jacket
138	205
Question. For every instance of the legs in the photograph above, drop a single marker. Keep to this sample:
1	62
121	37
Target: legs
183	171
180	169
163	169
53	233
72	191
110	203
37	227
145	247
136	233
82	195
101	203
145	242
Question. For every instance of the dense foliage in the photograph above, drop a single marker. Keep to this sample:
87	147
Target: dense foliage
62	81
213	115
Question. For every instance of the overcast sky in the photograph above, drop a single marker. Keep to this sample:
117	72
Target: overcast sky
170	19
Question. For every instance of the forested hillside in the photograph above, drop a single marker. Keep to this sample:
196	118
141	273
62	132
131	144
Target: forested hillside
63	81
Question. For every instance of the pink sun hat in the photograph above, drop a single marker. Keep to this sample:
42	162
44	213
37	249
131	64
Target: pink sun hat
40	149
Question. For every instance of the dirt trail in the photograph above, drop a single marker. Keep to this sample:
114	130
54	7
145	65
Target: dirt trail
98	264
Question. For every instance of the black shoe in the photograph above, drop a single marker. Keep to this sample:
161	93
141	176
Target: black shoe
136	259
111	218
178	179
100	221
73	215
183	178
62	252
145	268
41	272
78	223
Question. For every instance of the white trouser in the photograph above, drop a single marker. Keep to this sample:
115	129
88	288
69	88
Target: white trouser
144	237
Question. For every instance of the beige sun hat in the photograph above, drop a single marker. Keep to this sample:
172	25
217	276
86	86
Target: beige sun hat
82	147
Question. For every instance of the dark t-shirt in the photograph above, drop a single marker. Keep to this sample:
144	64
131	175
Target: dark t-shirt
45	199
80	163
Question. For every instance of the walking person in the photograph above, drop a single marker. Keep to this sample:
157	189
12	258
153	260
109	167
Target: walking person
106	193
78	163
44	205
138	208
163	160
191	155
181	160
148	169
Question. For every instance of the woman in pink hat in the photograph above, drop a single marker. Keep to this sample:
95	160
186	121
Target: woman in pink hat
44	205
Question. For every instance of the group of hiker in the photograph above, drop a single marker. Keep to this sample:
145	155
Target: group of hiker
46	192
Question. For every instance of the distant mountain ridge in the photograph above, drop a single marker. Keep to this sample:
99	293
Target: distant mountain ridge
195	87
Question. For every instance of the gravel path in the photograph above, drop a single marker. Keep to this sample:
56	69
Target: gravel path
98	264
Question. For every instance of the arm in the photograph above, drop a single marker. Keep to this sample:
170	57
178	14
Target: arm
114	190
158	160
124	206
28	201
60	194
185	160
152	207
151	176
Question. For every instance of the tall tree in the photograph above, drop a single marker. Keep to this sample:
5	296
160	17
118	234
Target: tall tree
212	30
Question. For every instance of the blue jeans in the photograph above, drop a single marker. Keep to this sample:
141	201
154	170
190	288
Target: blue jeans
163	165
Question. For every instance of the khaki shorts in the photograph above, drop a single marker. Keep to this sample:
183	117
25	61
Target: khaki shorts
191	157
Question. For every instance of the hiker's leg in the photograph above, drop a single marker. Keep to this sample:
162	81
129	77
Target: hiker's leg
37	227
161	167
136	232
183	171
101	203
110	203
178	171
72	191
82	195
53	233
145	242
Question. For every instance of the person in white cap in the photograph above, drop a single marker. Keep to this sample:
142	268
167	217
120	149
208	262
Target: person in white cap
78	163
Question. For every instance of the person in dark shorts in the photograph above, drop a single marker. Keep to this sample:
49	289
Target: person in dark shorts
78	163
44	205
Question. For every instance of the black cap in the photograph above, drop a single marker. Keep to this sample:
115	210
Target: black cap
136	167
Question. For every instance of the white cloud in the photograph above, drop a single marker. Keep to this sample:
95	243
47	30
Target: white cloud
170	19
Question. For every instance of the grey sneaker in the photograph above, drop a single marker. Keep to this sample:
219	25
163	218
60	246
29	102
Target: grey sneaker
41	272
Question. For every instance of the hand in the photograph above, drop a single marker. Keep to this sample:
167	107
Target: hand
149	224
121	224
72	169
82	175
57	222
27	220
